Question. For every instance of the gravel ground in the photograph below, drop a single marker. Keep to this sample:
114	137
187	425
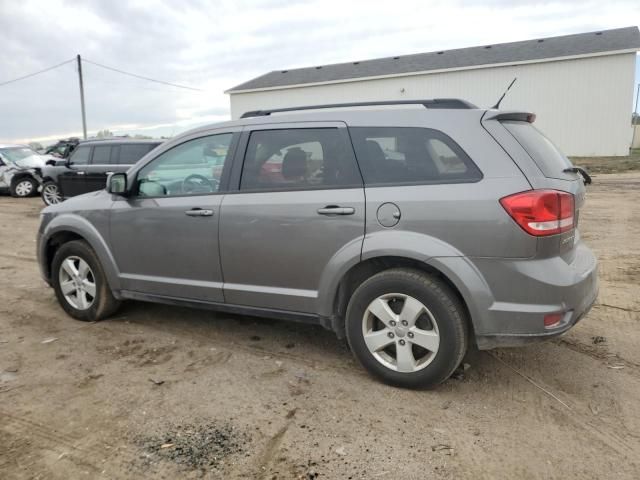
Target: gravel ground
163	392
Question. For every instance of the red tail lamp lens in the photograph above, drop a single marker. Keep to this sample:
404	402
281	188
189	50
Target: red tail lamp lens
541	212
553	320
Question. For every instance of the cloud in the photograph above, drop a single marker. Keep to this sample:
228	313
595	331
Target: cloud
217	45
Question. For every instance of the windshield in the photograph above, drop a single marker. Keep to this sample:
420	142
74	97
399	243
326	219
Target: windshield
22	157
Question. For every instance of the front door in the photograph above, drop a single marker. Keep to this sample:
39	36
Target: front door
299	204
72	181
165	236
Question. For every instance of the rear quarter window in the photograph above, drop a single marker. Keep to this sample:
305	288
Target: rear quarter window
409	155
549	159
130	154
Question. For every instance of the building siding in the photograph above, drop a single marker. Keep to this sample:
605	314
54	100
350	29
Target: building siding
583	105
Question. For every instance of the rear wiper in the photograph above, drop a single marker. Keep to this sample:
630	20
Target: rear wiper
586	177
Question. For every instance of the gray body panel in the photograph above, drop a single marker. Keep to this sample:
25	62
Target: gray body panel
272	252
173	254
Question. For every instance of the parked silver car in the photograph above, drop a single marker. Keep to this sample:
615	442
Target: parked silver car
411	230
19	167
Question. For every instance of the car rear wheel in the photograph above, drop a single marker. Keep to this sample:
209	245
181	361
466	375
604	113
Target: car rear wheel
51	193
80	283
407	328
23	187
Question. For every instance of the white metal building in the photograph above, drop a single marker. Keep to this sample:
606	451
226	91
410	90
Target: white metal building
580	86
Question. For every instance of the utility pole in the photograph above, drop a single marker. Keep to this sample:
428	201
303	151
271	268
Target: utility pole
635	118
84	116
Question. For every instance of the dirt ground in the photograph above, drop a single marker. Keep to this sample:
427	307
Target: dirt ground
167	392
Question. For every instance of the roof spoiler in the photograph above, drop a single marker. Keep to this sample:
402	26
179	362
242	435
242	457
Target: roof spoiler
510	115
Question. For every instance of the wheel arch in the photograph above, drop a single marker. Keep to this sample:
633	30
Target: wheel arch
359	272
70	228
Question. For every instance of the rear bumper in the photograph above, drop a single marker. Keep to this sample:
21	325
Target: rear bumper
524	291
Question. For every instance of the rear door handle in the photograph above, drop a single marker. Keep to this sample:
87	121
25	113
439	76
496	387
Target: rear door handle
199	212
336	210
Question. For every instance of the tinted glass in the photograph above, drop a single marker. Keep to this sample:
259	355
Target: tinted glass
191	168
298	159
396	155
546	155
130	154
80	156
101	155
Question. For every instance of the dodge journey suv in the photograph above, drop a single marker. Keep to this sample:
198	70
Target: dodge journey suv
412	230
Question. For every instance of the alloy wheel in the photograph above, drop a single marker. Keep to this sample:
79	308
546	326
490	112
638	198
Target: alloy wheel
77	283
24	188
400	332
51	194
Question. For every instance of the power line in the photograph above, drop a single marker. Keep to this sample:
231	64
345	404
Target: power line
36	73
140	76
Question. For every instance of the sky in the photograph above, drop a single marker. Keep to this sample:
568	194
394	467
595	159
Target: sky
213	45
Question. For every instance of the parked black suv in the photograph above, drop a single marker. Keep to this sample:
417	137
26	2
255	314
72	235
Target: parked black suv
87	168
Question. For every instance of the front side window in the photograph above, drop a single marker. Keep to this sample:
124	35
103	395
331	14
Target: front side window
191	168
101	155
397	155
310	158
80	156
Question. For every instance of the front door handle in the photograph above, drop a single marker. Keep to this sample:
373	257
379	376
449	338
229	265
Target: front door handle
336	210
80	173
199	212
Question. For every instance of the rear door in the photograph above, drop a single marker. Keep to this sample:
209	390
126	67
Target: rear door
299	203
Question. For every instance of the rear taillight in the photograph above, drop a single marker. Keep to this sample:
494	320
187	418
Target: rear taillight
541	212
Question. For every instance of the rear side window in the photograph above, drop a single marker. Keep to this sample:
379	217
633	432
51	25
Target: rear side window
290	159
80	156
130	154
549	159
101	155
407	155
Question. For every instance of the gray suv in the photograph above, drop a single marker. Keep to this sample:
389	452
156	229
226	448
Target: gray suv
413	230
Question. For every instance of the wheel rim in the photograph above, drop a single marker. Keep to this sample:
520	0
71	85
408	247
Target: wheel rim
77	283
24	188
51	194
400	332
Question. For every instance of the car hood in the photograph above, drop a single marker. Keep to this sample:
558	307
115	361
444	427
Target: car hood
34	161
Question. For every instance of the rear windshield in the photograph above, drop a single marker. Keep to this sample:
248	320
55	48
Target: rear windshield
546	155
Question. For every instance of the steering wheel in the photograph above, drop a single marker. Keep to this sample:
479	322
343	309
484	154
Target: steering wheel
195	183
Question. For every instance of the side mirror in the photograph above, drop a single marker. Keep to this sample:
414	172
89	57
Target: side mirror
117	184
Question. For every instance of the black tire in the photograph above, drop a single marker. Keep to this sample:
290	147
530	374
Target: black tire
46	194
443	303
104	303
17	192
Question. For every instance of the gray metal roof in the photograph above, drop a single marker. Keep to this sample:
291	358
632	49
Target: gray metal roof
538	49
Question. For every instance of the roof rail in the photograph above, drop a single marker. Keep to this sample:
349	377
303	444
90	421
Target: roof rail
452	103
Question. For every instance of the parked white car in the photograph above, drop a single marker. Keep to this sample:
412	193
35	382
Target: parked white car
20	169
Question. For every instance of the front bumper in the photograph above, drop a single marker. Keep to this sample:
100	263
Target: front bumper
536	288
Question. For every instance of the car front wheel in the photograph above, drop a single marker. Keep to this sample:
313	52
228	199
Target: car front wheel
51	193
23	187
80	283
407	328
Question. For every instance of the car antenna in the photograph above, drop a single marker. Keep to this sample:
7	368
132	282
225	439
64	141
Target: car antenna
497	105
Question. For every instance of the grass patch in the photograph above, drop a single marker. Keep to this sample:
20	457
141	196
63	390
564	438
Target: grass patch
609	164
